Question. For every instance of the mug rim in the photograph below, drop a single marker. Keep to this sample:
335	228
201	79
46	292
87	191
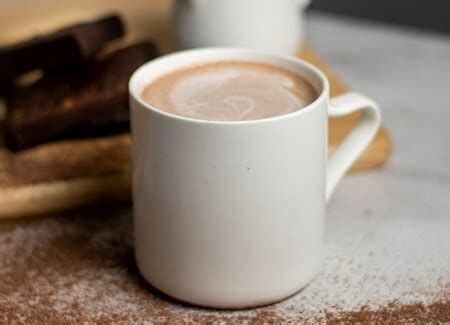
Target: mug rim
231	54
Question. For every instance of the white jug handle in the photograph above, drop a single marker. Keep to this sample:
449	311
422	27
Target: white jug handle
358	139
302	3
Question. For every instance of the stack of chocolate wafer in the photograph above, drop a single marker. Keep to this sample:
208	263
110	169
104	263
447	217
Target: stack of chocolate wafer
83	91
65	125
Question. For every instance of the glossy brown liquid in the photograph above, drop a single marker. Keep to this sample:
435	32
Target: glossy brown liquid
229	91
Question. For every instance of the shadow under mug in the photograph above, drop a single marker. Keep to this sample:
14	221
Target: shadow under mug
231	214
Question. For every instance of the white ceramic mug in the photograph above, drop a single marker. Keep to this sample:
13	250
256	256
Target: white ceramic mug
231	214
270	25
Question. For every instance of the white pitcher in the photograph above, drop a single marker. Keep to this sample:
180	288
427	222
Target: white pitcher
270	25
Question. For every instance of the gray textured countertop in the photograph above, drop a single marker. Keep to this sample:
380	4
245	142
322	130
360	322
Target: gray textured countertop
387	234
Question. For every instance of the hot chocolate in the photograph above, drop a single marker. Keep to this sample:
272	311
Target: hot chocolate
229	91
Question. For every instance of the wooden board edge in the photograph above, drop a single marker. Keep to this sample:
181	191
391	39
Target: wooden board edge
376	155
63	195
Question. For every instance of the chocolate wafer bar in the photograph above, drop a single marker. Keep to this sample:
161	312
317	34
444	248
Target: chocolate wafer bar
89	99
72	44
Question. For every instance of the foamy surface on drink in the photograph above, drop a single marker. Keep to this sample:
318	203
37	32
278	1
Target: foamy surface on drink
229	91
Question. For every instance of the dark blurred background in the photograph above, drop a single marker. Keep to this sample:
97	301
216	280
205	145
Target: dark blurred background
427	14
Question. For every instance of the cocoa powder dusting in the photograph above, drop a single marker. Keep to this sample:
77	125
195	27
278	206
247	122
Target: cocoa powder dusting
80	268
417	313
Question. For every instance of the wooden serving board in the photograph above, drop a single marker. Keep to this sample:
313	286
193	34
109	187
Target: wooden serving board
69	174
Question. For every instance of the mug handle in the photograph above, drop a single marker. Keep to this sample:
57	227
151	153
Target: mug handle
357	140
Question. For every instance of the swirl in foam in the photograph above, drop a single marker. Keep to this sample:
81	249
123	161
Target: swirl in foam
230	91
